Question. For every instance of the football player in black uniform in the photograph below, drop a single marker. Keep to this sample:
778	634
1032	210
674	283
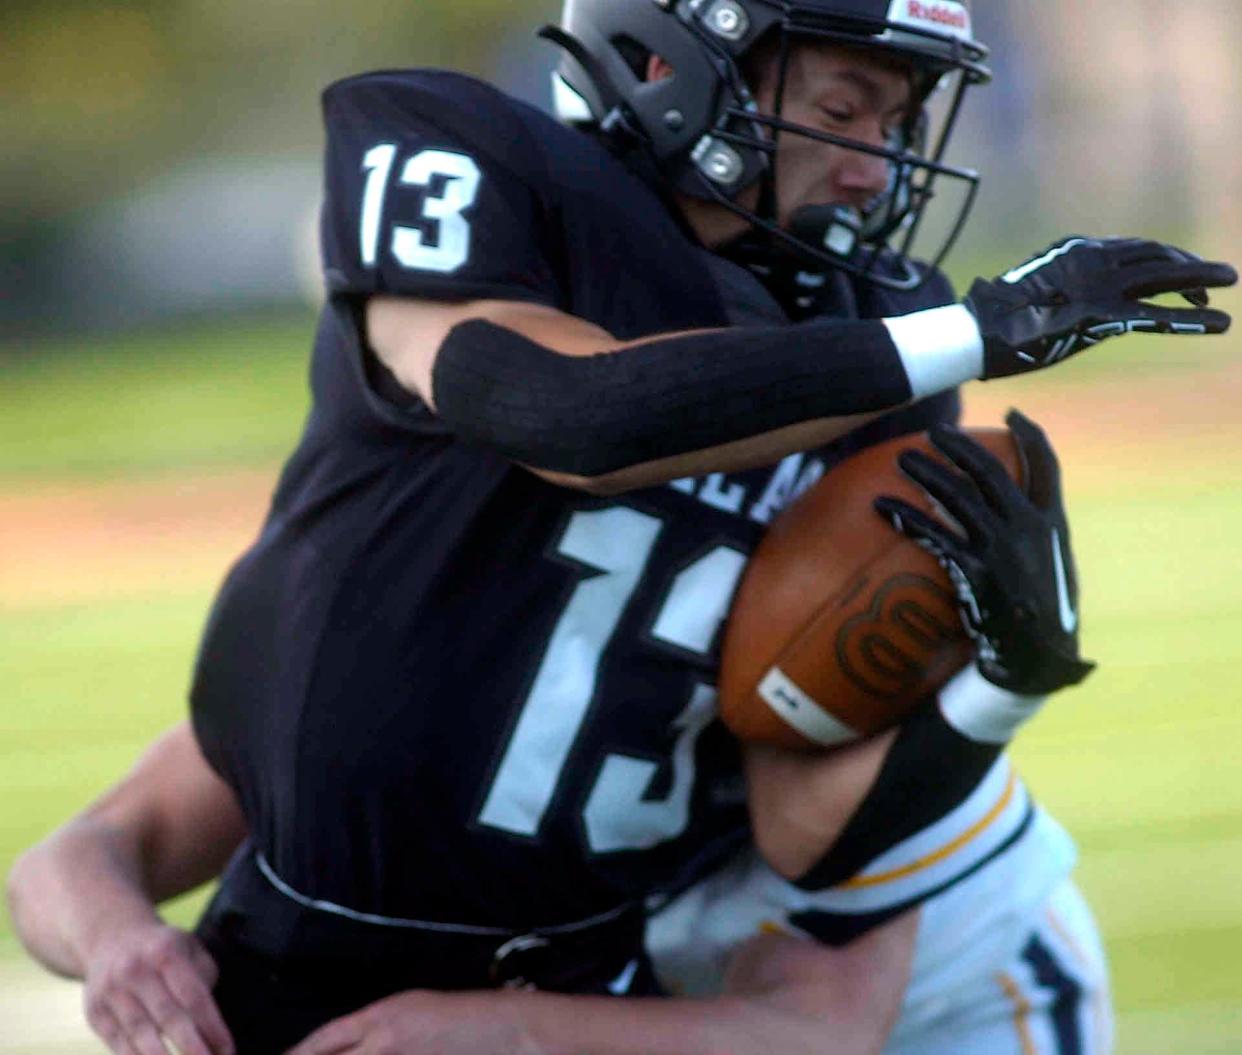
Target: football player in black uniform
460	688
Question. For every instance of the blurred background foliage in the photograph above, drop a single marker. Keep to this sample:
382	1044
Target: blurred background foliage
96	97
151	145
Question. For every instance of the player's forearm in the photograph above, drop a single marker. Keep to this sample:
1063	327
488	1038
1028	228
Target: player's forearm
800	803
575	1025
761	450
166	827
681	404
64	894
929	771
731	1025
781	994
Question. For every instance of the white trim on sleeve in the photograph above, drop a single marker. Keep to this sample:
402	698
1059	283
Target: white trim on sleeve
940	348
982	711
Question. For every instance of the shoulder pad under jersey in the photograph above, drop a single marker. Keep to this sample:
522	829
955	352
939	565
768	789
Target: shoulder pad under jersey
435	186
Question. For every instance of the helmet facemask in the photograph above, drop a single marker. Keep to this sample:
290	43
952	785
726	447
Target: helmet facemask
734	149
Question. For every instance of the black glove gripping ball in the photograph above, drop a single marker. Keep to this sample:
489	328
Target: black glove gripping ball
1010	562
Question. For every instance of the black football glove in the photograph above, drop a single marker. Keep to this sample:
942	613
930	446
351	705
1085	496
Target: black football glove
1081	291
1012	569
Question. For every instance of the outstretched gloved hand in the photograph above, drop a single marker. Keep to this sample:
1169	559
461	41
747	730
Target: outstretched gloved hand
1082	291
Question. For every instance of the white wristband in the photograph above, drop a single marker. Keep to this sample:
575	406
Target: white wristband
984	712
940	348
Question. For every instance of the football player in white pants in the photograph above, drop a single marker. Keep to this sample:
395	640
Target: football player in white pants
1008	960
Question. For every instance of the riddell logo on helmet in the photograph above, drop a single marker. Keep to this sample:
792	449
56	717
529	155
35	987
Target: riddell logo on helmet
943	15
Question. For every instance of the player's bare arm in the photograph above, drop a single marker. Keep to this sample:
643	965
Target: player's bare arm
801	802
83	900
783	995
585	410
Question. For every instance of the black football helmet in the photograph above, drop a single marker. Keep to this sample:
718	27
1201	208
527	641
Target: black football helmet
708	138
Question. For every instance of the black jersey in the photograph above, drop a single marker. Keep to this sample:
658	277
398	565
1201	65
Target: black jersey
444	689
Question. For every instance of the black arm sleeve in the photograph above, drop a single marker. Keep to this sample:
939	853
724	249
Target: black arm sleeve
930	770
591	415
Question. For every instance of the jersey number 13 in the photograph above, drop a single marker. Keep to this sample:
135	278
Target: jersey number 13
613	546
408	244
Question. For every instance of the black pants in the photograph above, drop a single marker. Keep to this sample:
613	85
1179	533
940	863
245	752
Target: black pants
286	968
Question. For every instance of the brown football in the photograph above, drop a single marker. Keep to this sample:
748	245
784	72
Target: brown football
841	625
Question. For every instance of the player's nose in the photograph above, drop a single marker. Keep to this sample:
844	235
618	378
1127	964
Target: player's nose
862	176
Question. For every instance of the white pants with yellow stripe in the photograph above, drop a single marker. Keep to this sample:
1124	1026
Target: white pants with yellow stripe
1007	962
1050	998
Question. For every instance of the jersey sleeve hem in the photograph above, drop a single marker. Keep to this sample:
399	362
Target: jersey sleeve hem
986	825
449	290
413	416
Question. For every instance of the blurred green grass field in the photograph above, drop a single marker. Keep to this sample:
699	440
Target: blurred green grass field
1142	764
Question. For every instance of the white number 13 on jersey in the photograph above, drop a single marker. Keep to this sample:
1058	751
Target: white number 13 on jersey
408	246
613	545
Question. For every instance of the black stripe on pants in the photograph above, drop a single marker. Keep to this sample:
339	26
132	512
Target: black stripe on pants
1051	975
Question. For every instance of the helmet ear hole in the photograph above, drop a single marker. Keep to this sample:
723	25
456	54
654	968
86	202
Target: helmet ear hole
658	69
646	65
634	55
